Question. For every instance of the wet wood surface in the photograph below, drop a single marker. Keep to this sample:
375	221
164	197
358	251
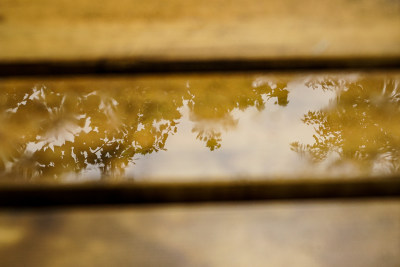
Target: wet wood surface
45	37
329	233
155	30
60	173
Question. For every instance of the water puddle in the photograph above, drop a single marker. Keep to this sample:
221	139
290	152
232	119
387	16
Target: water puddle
169	128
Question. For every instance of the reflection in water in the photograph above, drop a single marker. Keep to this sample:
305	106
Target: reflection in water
82	129
360	127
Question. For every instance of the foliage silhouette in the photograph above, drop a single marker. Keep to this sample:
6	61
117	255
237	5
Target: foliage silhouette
53	130
361	126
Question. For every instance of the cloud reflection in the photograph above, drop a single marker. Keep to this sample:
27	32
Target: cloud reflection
230	126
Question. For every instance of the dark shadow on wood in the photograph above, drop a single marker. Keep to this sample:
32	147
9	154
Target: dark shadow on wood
46	195
165	66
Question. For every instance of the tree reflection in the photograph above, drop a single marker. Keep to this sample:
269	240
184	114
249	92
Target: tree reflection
50	131
58	130
211	103
361	126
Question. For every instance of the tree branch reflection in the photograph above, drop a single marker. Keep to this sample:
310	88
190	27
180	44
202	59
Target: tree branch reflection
49	133
360	127
60	130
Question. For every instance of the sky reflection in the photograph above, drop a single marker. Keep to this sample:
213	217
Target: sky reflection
200	127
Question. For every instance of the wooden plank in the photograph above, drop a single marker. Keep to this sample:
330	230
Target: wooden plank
235	127
197	30
329	233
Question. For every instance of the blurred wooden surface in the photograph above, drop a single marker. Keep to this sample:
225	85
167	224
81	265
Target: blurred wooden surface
193	30
104	36
329	233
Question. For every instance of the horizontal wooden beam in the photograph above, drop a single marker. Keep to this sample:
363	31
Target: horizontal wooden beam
213	29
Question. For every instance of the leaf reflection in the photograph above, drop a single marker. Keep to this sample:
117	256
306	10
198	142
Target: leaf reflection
75	129
61	131
361	126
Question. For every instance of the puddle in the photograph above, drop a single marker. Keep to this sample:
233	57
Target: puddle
242	126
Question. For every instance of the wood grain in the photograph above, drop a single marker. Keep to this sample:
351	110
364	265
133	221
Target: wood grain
197	30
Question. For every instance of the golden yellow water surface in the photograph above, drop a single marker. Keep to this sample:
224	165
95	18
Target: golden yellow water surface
190	127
